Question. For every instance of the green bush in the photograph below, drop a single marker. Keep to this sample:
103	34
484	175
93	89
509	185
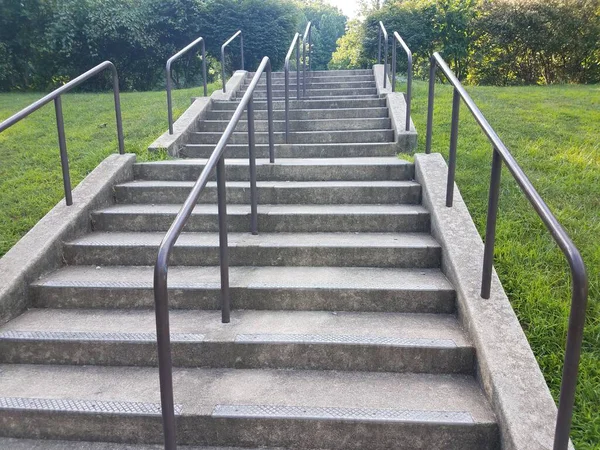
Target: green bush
490	42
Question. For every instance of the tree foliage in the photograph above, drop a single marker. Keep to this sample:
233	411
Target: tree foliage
489	42
44	43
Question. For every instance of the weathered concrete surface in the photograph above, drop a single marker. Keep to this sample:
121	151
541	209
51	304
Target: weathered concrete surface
378	73
406	141
28	444
232	87
200	391
506	366
187	123
40	250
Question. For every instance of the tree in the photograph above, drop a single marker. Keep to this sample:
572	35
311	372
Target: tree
349	54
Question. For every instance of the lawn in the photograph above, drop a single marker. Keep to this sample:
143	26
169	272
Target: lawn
552	131
30	173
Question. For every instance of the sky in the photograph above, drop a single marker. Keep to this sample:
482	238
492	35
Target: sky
348	7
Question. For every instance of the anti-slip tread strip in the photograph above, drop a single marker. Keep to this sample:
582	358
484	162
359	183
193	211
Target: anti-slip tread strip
342	339
95	336
83	406
341	414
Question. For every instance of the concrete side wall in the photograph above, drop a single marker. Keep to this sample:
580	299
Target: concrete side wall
188	121
40	250
406	141
506	366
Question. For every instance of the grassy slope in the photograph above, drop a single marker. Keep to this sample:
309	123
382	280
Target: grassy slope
552	131
30	174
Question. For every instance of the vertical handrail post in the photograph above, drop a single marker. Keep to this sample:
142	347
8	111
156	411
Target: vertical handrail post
223	245
204	69
287	105
298	70
309	49
383	33
490	231
229	41
251	155
286	69
118	117
379	47
169	79
394	50
453	144
62	144
242	48
432	71
163	338
306	37
409	77
270	114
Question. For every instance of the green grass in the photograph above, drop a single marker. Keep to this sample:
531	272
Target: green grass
552	131
30	173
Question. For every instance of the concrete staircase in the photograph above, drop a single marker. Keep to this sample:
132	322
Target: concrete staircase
344	332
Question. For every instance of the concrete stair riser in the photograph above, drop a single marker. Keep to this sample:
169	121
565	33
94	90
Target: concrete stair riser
374	149
321	73
315	93
252	288
283	170
314	84
274	193
308	104
315	137
301	125
214	354
138	249
158	219
307	114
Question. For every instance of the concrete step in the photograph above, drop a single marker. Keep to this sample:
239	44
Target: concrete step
320	103
315	93
44	444
288	408
283	169
367	149
322	73
306	114
258	288
315	84
402	250
280	81
311	340
275	192
271	218
300	125
298	137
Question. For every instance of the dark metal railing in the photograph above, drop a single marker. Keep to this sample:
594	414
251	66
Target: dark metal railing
383	33
501	154
307	36
399	40
161	295
295	44
170	62
60	125
229	41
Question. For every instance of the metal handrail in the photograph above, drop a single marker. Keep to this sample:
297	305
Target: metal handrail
295	43
385	56
229	41
578	272
60	125
170	61
161	295
307	34
399	40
